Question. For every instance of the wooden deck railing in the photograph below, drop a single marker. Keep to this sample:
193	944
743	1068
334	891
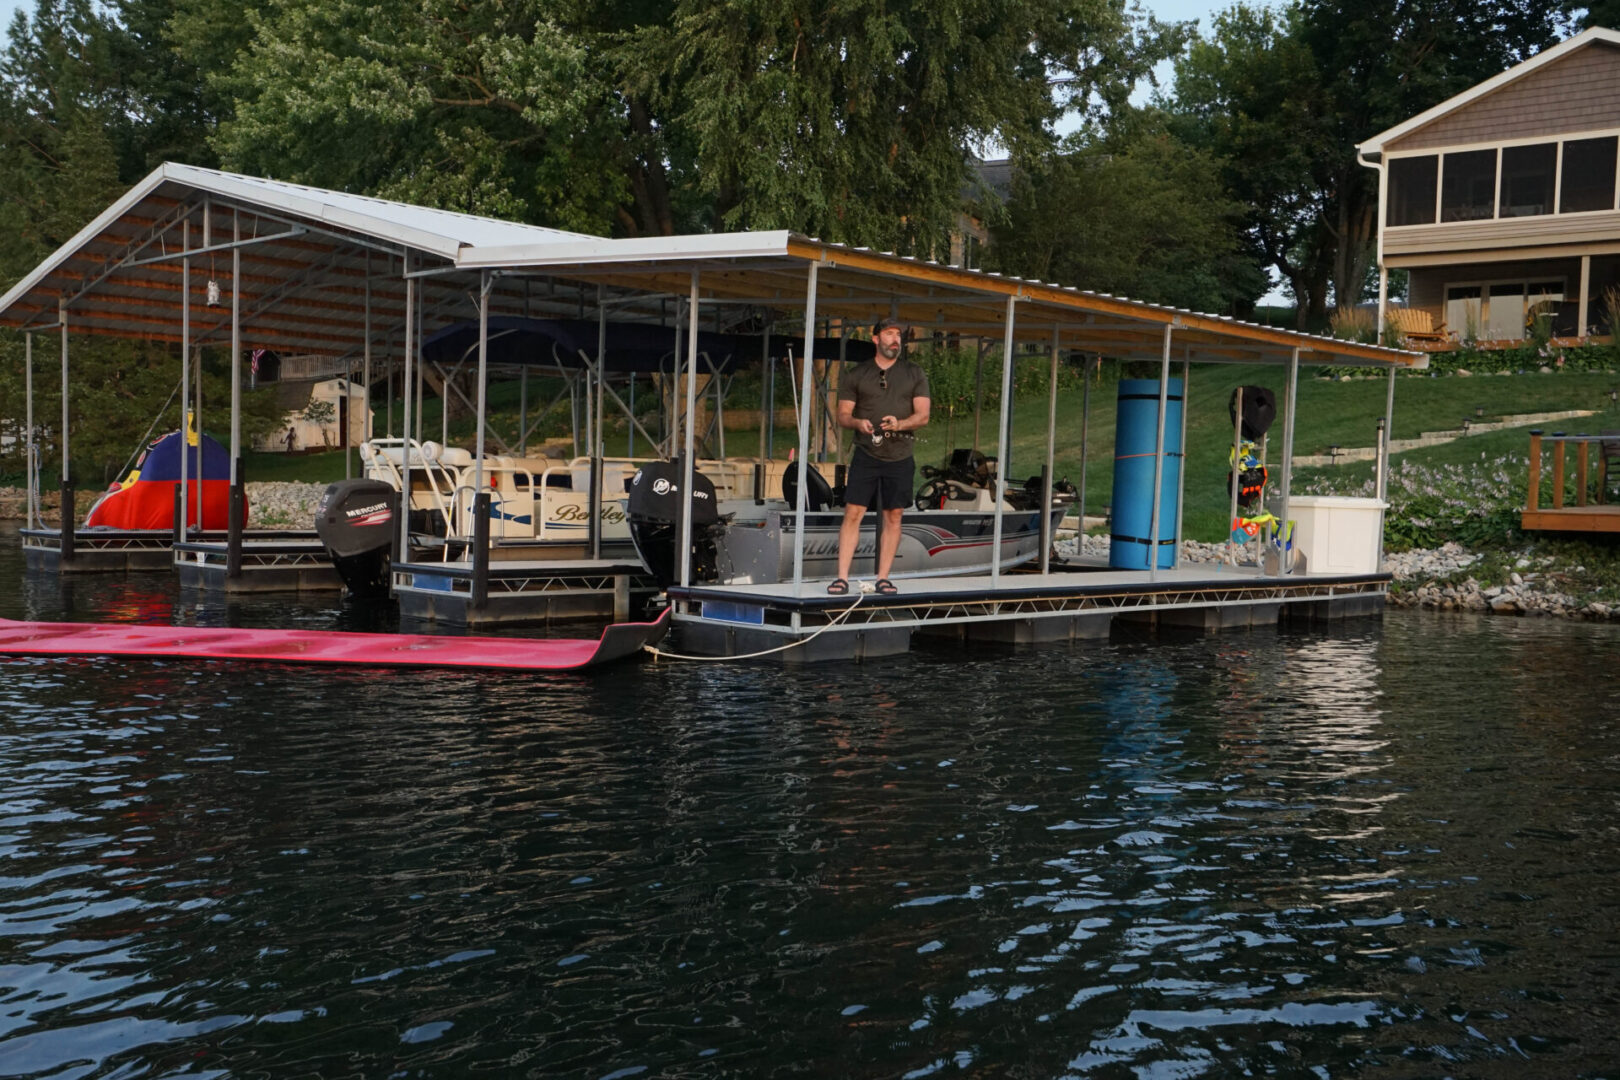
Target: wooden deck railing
1554	445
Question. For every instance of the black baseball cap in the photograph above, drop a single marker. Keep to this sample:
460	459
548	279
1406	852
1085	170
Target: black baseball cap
885	324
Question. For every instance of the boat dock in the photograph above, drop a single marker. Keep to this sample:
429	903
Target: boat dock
1018	609
521	590
391	290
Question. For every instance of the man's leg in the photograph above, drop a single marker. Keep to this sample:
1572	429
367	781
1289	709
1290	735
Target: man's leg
849	534
891	541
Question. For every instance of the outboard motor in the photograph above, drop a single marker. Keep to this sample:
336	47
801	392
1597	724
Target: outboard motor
356	522
654	509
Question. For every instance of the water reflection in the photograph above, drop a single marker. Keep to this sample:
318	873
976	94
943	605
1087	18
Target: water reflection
1286	854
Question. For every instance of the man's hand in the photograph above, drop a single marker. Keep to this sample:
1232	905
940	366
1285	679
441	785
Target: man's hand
890	423
864	427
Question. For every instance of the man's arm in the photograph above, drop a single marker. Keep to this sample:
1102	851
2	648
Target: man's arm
846	418
917	419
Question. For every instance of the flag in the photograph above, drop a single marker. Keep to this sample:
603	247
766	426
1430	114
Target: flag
254	363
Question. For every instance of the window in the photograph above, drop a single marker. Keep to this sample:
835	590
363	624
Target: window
1412	183
1588	175
1468	186
1527	179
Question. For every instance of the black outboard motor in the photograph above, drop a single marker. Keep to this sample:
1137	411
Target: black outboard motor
654	509
356	521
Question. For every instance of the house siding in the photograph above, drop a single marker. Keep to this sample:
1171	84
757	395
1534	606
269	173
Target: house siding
1550	229
1581	92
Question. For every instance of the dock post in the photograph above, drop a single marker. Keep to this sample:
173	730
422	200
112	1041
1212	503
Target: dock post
1386	433
1158	456
1051	460
30	457
1580	471
238	503
185	377
1085	446
480	551
179	514
1181	476
684	552
68	527
1004	444
621	597
1533	488
405	494
65	553
804	429
1558	471
1232	477
1288	453
235	522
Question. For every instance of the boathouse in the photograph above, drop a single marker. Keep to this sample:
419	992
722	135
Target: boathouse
196	257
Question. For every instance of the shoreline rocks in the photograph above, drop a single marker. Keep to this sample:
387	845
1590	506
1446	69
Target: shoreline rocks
271	504
1439	579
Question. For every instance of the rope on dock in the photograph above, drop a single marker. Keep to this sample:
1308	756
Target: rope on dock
834	621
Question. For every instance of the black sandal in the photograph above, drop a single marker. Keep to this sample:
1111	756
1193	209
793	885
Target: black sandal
885	587
838	587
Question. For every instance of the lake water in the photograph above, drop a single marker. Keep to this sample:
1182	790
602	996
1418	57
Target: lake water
1382	849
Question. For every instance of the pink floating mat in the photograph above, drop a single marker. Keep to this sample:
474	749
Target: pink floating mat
328	646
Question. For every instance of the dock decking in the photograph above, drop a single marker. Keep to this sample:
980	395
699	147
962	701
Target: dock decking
741	620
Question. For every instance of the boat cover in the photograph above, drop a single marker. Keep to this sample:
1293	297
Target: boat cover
145	498
328	646
631	347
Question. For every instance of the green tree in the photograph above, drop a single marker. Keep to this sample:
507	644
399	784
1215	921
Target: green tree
1136	213
855	122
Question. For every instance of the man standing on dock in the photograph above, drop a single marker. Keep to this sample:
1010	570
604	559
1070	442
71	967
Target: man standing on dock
883	400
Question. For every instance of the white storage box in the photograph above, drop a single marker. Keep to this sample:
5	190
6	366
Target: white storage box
1337	534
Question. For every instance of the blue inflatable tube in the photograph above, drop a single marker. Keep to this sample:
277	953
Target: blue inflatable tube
1135	439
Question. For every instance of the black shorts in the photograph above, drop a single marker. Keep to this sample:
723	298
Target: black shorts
874	483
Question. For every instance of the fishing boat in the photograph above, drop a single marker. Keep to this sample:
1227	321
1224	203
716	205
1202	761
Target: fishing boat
950	530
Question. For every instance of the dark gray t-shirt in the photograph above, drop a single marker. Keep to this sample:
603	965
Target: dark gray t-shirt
864	385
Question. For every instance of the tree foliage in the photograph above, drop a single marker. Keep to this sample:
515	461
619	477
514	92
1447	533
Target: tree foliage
1137	213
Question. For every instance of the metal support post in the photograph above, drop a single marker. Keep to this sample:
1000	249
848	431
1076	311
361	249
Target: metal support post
688	466
803	491
1158	457
185	376
1004	443
1051	457
405	419
1289	410
68	525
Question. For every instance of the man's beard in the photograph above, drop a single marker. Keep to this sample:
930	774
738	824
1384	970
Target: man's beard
889	352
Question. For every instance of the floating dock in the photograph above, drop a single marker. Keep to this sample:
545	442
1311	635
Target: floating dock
516	591
330	647
280	562
1021	608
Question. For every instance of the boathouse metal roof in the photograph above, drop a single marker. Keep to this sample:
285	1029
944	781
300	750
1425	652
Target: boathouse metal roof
315	262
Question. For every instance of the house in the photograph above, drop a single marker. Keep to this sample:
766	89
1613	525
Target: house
320	415
1501	202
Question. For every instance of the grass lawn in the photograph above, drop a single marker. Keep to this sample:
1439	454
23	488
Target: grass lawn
1330	412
